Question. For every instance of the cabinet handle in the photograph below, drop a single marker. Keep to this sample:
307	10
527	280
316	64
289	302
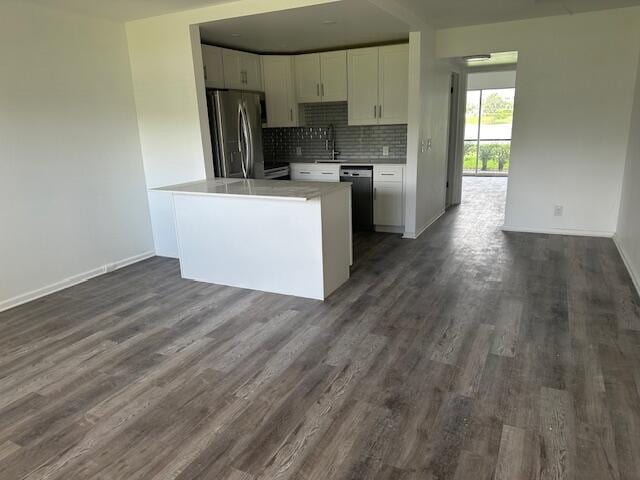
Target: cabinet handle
327	173
374	112
317	89
374	193
305	173
322	89
387	174
291	113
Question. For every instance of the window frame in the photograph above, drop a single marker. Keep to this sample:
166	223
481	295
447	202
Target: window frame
478	140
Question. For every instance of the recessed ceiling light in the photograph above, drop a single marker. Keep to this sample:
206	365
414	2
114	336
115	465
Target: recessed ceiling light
476	58
235	34
328	22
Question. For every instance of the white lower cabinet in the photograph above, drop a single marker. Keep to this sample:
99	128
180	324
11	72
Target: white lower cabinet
388	190
388	197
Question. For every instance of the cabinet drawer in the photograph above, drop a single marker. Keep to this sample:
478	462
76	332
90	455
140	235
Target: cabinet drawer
387	173
315	172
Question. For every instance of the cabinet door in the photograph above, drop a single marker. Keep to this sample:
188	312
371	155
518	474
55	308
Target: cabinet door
393	84
333	70
282	110
212	63
363	86
233	76
250	65
308	78
388	204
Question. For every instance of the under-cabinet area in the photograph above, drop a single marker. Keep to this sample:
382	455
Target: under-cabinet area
318	112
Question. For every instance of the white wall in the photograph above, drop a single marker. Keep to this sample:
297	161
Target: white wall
72	189
168	82
497	79
429	96
628	234
575	78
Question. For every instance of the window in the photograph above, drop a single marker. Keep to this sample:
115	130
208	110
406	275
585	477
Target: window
487	133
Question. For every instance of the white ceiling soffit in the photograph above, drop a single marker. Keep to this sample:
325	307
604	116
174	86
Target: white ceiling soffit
499	59
124	10
456	13
319	27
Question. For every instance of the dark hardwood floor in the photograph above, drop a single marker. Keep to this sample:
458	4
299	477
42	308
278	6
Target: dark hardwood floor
467	354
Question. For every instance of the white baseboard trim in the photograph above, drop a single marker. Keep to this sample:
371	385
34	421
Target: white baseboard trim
414	235
635	276
71	281
558	231
385	229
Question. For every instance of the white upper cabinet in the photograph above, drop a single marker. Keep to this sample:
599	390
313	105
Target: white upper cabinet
393	84
242	70
378	85
333	76
363	86
250	65
233	76
307	69
213	69
279	89
321	77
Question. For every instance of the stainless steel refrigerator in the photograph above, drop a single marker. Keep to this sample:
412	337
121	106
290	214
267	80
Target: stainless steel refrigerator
235	120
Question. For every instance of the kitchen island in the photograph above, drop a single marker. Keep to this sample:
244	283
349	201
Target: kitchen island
276	236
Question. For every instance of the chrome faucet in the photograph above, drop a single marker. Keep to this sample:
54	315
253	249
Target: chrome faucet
331	138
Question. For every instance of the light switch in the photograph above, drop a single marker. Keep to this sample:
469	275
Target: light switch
299	151
385	151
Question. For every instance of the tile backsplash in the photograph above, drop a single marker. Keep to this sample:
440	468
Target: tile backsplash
353	142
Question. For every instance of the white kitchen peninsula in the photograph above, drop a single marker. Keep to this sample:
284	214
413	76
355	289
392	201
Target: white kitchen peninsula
276	236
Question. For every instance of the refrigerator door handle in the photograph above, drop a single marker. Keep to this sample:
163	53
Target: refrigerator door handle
249	138
241	139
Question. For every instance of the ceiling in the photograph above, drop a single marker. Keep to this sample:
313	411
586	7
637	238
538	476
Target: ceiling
124	10
319	27
438	13
454	13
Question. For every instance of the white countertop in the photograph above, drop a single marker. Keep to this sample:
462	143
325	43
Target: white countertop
273	189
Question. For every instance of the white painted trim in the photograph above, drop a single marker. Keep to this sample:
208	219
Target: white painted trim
388	229
71	281
558	231
413	236
635	276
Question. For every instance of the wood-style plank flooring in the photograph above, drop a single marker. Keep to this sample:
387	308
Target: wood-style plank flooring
467	354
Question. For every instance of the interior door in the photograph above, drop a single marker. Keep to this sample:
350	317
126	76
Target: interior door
394	84
307	68
363	86
333	85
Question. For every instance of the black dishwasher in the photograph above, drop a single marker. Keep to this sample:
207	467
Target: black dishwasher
361	179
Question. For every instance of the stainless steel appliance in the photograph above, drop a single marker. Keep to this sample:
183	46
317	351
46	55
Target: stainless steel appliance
235	121
361	179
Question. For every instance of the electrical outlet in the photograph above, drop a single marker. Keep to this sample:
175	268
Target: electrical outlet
558	210
299	151
385	151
